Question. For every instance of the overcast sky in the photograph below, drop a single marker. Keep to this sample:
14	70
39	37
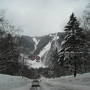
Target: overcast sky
40	17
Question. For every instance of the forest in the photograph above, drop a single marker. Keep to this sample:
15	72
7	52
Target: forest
72	58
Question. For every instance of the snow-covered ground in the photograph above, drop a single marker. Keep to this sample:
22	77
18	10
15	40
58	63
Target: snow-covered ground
81	82
13	82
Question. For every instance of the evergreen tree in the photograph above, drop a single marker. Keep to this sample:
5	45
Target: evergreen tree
9	52
73	45
56	69
55	57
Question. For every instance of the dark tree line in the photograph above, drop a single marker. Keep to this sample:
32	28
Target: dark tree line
9	50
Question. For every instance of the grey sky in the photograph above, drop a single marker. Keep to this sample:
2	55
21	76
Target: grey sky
40	17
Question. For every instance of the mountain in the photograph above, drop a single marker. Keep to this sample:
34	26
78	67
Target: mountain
42	46
27	44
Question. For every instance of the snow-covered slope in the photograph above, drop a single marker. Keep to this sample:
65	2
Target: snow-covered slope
48	46
43	47
47	50
35	64
36	41
43	53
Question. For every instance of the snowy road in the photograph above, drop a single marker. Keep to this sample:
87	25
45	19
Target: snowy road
55	86
81	82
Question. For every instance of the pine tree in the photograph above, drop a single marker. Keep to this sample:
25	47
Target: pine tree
9	52
72	46
55	58
55	64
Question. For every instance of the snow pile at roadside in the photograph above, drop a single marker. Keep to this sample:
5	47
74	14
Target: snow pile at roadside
12	82
81	82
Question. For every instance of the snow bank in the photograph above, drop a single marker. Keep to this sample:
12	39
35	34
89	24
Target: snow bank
81	82
12	82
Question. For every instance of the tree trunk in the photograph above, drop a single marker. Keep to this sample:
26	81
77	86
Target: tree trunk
75	67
